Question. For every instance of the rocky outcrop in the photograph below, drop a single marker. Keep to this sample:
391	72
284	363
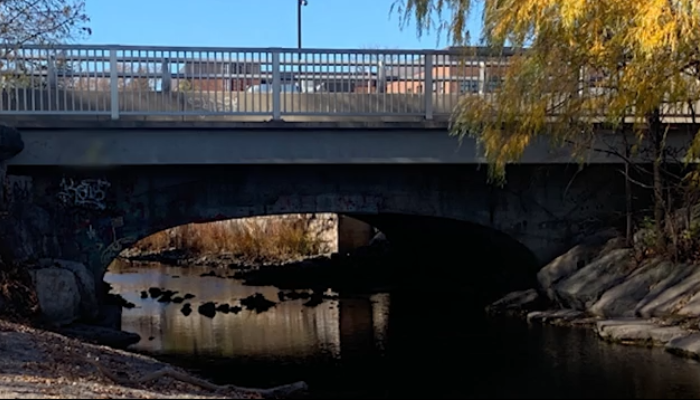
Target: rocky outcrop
66	291
613	285
601	278
599	283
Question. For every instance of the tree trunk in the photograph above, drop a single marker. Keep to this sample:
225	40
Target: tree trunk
657	134
628	204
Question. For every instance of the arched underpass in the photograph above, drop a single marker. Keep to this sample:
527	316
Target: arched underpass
436	258
441	255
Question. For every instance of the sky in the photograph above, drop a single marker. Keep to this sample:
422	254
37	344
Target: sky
356	24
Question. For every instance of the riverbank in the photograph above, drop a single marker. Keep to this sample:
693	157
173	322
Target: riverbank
601	285
240	244
41	364
347	272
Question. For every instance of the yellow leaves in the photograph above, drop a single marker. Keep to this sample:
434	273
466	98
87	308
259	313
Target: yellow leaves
615	60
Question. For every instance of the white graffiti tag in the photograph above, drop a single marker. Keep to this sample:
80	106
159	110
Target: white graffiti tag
89	193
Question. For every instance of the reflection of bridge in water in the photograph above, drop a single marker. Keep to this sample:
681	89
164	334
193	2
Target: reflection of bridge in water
343	328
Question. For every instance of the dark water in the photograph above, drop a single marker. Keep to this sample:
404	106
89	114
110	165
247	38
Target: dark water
395	345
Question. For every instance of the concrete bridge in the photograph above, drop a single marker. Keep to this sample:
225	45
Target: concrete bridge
92	214
114	154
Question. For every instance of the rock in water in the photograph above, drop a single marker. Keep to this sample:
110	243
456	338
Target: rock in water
11	142
208	310
223	308
257	303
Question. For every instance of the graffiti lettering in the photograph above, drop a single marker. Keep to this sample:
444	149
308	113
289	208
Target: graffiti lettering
90	193
18	189
92	234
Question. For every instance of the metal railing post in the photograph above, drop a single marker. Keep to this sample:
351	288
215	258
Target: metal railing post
113	84
482	77
428	86
276	86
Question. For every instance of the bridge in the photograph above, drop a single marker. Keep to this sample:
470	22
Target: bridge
169	136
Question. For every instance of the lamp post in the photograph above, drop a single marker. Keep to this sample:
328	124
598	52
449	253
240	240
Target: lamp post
300	4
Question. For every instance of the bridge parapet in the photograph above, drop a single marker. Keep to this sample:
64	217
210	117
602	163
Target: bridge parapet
119	82
253	85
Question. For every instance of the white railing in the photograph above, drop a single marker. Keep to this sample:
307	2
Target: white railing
123	81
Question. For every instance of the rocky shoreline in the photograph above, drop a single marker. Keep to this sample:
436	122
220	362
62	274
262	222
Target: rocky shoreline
600	285
182	258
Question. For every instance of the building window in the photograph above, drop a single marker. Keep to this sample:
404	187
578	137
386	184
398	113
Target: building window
493	83
469	86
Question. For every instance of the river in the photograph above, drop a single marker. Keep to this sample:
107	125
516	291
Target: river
385	345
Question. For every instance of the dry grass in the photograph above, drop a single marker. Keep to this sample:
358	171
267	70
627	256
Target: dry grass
275	239
18	299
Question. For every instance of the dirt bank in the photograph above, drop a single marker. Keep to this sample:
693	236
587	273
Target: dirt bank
40	364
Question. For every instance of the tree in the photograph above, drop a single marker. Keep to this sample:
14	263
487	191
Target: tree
42	21
45	22
578	64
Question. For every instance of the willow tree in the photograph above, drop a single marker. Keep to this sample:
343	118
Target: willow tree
577	64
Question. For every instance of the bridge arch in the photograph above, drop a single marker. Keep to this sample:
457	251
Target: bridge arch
541	208
447	248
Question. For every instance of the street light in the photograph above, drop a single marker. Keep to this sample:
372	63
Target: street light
300	4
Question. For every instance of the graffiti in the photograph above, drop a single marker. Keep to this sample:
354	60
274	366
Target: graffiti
91	233
18	189
116	247
90	193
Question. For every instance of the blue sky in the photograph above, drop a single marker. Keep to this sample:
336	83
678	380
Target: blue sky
253	23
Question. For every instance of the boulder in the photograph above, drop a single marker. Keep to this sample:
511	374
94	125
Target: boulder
585	287
89	305
553	316
573	260
66	291
58	293
521	301
688	345
638	331
379	238
671	293
622	300
11	142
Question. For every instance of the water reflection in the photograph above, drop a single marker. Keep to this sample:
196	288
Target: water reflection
345	327
344	349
